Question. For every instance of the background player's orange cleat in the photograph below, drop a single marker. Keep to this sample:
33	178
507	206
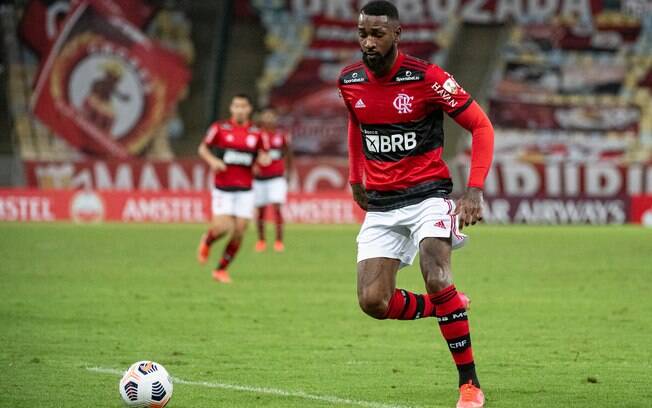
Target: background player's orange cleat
470	396
279	246
221	275
261	246
203	250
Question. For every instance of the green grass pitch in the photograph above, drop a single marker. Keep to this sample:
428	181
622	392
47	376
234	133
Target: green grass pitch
561	317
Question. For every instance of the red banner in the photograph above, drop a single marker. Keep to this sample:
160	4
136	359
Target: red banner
159	207
642	210
179	175
42	19
105	86
568	180
319	208
506	179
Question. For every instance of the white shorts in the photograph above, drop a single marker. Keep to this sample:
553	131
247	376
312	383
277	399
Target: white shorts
397	233
270	191
237	203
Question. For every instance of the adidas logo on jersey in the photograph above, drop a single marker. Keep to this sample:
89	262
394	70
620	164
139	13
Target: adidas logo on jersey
360	104
440	224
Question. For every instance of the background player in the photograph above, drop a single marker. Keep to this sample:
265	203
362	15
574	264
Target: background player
231	148
396	105
271	182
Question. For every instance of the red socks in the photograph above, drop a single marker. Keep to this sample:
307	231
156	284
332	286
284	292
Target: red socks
210	237
260	223
450	312
454	324
278	213
229	253
406	305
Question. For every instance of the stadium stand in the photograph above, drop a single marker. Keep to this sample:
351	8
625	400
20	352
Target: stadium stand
575	90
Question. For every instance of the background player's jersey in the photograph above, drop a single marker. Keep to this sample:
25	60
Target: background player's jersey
237	145
400	117
277	141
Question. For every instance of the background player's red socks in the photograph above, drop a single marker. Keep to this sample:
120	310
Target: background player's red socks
260	223
406	305
279	224
229	253
211	237
454	326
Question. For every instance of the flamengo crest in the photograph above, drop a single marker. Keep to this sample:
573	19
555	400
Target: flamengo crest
403	103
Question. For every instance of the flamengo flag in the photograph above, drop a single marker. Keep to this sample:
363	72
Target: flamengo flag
42	19
104	85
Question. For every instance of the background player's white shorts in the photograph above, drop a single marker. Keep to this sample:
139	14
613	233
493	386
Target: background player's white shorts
237	203
270	191
396	234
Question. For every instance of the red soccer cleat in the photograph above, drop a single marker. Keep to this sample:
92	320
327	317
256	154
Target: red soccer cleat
221	275
203	250
470	396
465	300
279	246
260	246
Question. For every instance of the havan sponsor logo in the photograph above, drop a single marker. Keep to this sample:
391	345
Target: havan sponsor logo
444	94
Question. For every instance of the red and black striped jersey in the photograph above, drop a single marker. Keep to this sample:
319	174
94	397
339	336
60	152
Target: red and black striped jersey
277	141
237	145
400	122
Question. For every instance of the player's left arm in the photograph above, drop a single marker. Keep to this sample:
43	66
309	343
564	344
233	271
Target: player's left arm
448	95
474	119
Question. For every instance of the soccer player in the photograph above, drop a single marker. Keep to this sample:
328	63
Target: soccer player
271	182
231	148
396	109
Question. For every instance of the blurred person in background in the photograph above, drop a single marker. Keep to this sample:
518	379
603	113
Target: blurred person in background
396	107
231	148
271	182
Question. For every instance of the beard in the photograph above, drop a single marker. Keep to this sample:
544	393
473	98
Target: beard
378	62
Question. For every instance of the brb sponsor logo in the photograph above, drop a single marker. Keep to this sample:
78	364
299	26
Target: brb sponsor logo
237	158
403	103
399	142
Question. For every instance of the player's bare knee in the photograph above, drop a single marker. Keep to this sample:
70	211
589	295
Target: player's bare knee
373	305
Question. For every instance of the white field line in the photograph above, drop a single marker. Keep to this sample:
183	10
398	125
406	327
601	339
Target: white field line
265	390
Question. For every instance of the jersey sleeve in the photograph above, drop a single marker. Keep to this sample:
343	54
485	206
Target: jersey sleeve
445	92
212	135
476	121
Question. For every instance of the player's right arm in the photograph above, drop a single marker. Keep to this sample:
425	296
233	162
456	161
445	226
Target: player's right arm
204	151
356	169
447	94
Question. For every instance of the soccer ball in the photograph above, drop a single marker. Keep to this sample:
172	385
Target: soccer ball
146	384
